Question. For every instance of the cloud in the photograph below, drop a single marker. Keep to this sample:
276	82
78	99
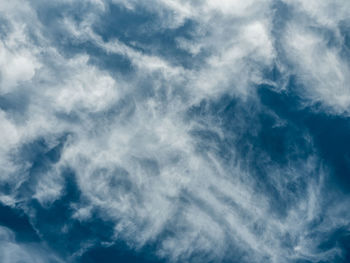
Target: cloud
181	155
319	64
11	251
327	13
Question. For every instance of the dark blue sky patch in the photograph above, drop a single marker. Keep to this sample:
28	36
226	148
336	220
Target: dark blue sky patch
63	233
18	222
142	29
125	24
262	131
40	157
281	139
114	63
52	17
331	134
39	152
119	253
339	238
264	139
50	13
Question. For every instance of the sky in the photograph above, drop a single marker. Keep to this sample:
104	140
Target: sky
168	131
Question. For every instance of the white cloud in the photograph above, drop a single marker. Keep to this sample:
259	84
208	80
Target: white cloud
319	67
327	13
12	252
134	156
18	62
84	89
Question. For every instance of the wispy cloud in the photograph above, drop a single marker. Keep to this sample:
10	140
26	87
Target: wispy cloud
163	132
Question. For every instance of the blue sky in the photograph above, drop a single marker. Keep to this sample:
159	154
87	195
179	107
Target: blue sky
174	131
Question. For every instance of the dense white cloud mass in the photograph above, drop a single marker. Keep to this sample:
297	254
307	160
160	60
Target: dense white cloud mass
314	44
139	159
